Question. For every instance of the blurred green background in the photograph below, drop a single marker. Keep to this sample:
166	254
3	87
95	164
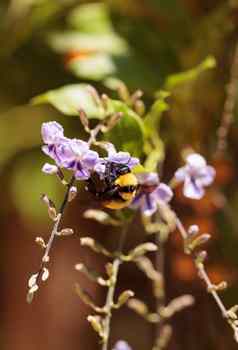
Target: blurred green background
45	44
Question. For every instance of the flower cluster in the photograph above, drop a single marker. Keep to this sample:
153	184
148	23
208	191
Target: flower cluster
75	154
72	154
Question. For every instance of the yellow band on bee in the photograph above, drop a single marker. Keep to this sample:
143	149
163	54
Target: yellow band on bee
126	180
116	204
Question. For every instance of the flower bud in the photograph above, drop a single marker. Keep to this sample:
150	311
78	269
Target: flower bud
193	230
72	193
45	274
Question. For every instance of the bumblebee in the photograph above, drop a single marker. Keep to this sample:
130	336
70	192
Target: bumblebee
116	188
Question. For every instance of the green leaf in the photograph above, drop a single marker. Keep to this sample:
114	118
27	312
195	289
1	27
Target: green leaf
152	119
27	175
128	134
127	67
93	18
17	122
154	146
155	156
95	67
74	41
72	98
187	76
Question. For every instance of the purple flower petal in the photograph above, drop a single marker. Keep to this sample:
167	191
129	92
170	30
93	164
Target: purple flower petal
133	162
195	174
149	205
192	189
82	174
90	159
208	176
196	161
164	193
119	157
51	132
46	150
63	152
148	179
180	174
78	147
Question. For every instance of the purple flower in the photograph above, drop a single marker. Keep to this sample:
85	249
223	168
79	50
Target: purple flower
122	345
55	142
116	157
195	175
72	154
77	156
151	192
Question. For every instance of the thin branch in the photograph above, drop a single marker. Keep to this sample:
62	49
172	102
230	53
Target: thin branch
229	107
159	266
43	272
55	229
227	314
111	292
93	134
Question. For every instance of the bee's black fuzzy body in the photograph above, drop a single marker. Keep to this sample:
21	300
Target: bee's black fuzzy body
116	188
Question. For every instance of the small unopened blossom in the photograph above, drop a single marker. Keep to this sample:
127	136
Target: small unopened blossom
122	345
151	192
49	169
72	193
195	175
193	230
45	274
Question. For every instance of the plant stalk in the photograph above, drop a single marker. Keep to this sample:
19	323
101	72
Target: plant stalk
111	291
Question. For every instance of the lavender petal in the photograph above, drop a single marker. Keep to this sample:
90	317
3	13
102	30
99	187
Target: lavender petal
82	174
148	179
163	193
180	174
149	205
196	161
192	189
90	159
51	132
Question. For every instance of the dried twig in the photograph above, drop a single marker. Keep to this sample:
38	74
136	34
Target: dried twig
229	106
57	217
111	291
228	314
